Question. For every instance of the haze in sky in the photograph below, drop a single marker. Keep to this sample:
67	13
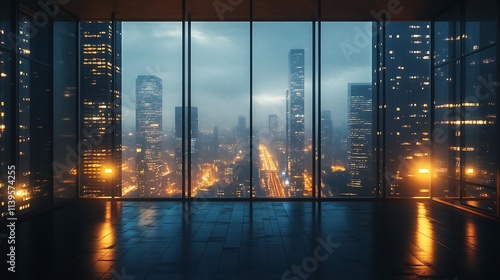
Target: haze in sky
221	68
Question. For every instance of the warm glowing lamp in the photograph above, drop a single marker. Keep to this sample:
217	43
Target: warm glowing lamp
470	171
423	171
108	170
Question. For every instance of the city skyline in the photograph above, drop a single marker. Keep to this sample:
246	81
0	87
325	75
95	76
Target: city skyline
281	147
228	80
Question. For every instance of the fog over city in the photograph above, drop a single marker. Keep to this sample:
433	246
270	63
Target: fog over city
221	68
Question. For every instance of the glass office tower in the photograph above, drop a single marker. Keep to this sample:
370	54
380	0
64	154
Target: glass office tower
100	97
296	122
405	88
149	135
360	146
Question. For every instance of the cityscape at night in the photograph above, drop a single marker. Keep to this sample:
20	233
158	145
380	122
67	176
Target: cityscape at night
225	139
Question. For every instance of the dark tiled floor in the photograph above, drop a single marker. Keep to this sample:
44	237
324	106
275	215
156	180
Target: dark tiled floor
236	240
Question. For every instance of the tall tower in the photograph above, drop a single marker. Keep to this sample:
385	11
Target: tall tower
326	140
407	108
360	128
178	144
100	85
149	135
242	133
296	129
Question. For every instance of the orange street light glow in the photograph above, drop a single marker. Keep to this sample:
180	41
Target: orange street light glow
423	171
470	170
108	170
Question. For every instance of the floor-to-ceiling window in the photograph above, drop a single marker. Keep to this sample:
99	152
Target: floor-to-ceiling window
213	110
152	109
6	55
34	109
405	107
38	101
345	123
282	102
65	101
466	105
219	125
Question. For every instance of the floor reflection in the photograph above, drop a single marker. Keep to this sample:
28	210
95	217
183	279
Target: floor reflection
259	240
424	237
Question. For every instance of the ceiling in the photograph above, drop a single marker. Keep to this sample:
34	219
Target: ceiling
263	10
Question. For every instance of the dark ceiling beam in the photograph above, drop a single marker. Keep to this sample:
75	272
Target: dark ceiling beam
264	10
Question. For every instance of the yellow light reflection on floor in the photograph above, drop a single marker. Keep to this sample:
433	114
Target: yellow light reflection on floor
106	233
471	237
424	238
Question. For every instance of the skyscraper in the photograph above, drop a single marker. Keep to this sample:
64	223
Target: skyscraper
241	133
149	135
360	128
24	117
407	94
326	140
178	144
100	95
295	115
5	128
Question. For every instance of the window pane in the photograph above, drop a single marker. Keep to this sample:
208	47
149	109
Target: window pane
151	92
407	130
65	119
282	109
447	31
5	103
346	110
446	132
220	154
480	129
5	25
480	25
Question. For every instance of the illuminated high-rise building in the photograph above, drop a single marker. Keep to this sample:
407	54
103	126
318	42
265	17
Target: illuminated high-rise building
407	94
100	95
360	155
178	143
34	147
149	133
5	147
295	122
241	133
326	140
24	155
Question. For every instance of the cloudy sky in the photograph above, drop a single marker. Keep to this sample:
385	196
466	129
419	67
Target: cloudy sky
221	62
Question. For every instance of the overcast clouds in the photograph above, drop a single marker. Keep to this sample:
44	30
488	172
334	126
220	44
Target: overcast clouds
220	68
